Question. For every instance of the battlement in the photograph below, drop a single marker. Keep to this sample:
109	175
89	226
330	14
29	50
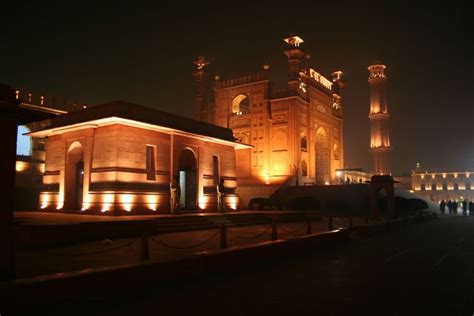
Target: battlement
27	96
241	80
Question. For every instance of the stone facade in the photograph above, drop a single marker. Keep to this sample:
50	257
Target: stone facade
446	186
115	165
296	134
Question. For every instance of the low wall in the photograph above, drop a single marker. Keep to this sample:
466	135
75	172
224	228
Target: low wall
113	281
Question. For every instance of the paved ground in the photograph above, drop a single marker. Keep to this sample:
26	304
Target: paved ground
127	251
70	218
427	269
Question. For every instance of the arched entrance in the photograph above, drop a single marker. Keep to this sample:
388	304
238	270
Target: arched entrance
74	177
187	179
322	156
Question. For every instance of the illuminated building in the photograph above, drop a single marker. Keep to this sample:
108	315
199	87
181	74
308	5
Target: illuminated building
119	158
444	185
379	116
30	151
296	133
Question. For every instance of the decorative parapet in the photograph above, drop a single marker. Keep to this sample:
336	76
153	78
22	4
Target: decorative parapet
285	93
28	97
241	80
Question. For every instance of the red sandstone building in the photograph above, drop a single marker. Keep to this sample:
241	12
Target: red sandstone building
296	134
119	157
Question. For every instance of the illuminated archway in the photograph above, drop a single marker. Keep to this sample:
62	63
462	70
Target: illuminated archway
23	142
74	177
322	156
188	182
240	104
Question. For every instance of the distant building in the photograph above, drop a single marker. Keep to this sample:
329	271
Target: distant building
296	133
444	185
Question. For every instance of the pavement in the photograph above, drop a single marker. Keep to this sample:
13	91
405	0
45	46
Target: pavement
163	247
425	269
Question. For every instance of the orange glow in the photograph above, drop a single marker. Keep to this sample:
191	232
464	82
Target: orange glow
455	175
233	202
107	203
444	175
433	176
467	174
422	176
45	200
127	200
152	202
203	202
86	204
326	183
21	166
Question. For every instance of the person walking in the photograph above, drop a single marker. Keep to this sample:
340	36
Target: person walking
220	196
471	208
442	205
464	207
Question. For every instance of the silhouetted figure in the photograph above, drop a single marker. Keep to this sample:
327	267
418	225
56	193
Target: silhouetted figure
442	205
464	207
471	208
348	180
220	196
450	207
455	207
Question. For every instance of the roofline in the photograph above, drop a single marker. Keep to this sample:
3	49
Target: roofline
114	120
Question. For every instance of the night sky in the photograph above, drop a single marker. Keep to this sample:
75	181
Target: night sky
143	53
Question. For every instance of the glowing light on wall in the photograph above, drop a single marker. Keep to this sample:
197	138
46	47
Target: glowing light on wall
422	176
60	205
467	174
21	166
433	176
203	202
444	175
233	202
87	202
326	183
417	188
107	203
455	175
127	200
462	187
439	187
44	199
450	187
267	177
152	202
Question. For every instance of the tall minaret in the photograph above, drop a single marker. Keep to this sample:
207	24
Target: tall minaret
378	116
294	54
200	76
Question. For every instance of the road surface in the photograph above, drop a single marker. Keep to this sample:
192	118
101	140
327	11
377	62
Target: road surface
427	269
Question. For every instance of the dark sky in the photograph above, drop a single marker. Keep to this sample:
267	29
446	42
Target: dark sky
143	53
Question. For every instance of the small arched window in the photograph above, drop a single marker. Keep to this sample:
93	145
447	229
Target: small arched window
240	104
